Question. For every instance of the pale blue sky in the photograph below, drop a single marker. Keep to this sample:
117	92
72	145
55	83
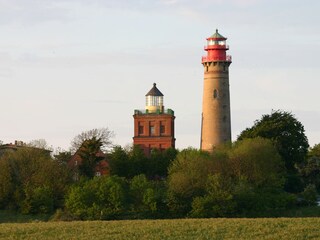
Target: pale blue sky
72	65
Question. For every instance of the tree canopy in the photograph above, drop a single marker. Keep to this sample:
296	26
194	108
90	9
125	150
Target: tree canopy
285	131
31	181
103	134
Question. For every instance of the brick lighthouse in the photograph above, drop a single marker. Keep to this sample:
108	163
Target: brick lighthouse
154	126
216	118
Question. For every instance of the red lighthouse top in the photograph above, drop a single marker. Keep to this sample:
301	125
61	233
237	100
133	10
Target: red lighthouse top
216	49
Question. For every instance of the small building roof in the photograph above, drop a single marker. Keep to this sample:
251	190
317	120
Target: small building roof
217	35
154	91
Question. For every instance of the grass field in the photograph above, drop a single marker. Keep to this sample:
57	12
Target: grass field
260	228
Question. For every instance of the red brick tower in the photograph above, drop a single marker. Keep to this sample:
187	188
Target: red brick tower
154	126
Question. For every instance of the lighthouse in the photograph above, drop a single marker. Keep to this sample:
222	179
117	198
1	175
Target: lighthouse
154	125
216	117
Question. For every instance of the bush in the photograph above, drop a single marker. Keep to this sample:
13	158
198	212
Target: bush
37	200
218	202
309	195
98	198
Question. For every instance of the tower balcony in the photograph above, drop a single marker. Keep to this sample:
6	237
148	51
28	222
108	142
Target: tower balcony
216	47
145	111
228	58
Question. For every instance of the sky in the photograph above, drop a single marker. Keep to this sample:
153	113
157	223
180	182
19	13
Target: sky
67	66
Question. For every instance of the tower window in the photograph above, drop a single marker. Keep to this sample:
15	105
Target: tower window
224	118
215	93
207	68
162	129
140	129
152	131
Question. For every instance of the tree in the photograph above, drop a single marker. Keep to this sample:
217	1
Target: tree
218	200
40	143
137	161
31	181
7	185
309	170
144	196
159	161
285	131
98	198
62	157
187	178
309	195
119	162
103	134
89	154
257	161
314	151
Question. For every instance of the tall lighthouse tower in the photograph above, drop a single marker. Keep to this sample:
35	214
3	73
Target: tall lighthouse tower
216	122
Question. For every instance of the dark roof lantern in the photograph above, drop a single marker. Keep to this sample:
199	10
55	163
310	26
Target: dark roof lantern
154	91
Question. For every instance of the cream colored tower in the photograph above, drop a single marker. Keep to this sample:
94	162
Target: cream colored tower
216	118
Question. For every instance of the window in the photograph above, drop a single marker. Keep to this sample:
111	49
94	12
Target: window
152	131
215	93
140	130
162	129
224	118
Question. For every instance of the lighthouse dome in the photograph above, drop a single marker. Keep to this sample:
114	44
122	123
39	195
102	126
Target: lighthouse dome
217	36
154	91
154	100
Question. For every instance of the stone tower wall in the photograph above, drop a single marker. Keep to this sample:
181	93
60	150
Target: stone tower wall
216	117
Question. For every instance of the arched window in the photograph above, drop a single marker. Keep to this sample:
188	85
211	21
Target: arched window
215	93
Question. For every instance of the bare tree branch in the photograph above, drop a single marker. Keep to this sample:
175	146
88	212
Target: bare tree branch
104	134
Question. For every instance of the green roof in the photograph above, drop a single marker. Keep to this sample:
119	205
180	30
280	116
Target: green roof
217	35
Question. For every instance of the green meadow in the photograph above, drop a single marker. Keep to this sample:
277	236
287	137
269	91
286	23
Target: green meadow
259	228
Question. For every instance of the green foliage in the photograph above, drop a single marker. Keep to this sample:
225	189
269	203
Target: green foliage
257	161
89	156
253	202
138	186
27	176
218	202
143	194
310	171
7	185
137	161
286	132
133	162
127	163
63	157
157	164
187	178
98	198
188	173
309	195
119	162
314	151
37	200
